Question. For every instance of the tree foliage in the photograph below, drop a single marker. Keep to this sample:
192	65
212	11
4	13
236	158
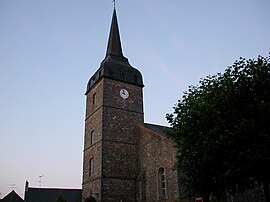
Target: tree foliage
221	129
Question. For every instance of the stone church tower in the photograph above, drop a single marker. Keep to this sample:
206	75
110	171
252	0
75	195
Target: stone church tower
124	159
114	106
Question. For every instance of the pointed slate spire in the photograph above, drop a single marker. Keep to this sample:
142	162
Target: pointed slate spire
115	65
114	47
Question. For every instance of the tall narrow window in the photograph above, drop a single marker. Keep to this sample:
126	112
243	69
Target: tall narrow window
162	183
94	98
92	137
91	167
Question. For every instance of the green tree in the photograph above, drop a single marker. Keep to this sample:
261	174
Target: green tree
221	128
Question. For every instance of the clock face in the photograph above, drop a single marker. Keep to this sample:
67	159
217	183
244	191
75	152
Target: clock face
124	93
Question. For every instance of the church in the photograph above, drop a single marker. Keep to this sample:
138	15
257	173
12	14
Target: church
124	159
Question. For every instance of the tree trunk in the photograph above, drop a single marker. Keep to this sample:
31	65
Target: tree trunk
266	191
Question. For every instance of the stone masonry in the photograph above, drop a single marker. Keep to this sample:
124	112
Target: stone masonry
124	159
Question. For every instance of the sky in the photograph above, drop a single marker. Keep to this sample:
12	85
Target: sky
50	48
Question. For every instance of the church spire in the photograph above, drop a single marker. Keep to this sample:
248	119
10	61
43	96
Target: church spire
114	47
115	65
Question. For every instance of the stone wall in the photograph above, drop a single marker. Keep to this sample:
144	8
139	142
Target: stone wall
155	152
93	148
114	149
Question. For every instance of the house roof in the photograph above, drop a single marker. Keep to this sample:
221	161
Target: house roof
12	197
52	195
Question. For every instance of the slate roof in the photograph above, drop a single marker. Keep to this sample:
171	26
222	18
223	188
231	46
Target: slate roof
52	195
157	128
12	197
115	65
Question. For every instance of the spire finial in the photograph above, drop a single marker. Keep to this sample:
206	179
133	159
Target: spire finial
113	3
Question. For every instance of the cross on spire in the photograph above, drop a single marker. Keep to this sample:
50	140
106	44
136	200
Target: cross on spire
113	3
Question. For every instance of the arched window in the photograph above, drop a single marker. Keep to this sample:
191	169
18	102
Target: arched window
162	185
92	137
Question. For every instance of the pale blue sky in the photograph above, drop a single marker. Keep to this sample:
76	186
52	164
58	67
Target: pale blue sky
50	48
